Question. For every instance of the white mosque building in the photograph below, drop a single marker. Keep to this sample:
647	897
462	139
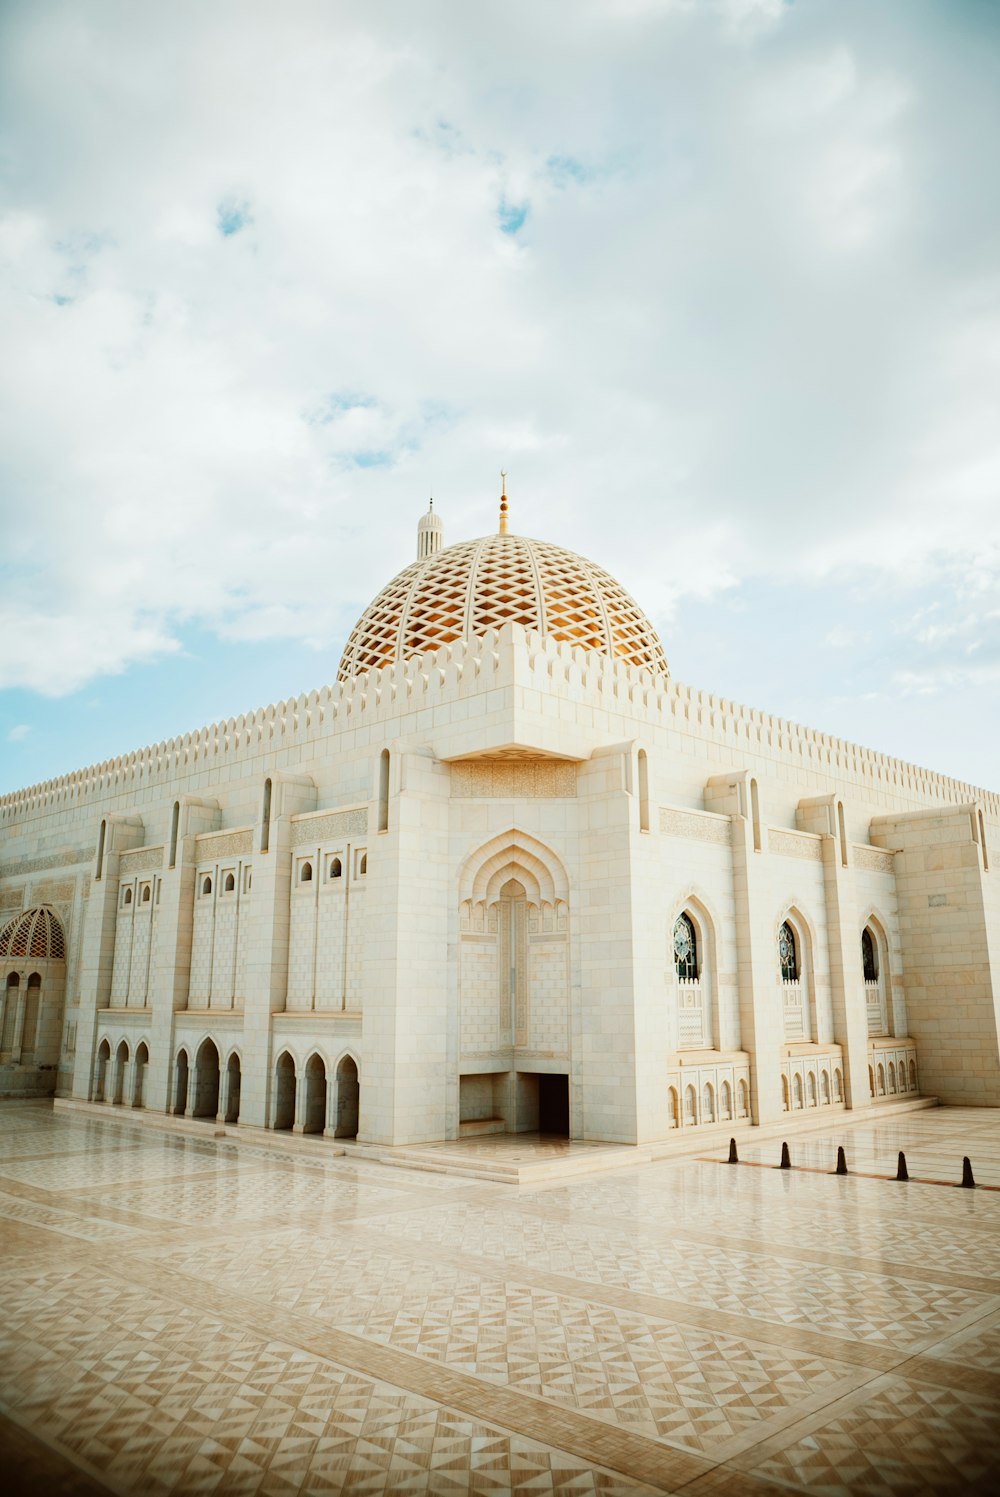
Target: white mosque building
504	876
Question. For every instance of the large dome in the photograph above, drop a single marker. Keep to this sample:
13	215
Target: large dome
479	585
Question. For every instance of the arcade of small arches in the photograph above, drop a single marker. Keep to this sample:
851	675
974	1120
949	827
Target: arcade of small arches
32	989
308	1096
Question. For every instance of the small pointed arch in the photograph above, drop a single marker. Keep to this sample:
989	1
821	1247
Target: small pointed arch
797	1091
306	872
686	952
811	1097
229	886
725	1102
795	923
913	1075
695	909
285	1085
347	1096
785	1104
315	1075
206	884
673	1108
708	1103
824	1088
742	1100
147	894
336	868
104	1050
127	897
514	854
233	1082
690	1106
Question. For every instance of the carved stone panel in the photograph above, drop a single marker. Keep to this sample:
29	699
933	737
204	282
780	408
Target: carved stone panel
794	845
695	826
215	845
513	779
329	826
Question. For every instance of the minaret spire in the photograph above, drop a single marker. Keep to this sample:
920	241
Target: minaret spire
430	534
504	525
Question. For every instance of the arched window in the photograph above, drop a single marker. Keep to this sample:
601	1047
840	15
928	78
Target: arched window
797	1089
383	791
707	1103
306	873
869	955
206	887
784	1093
787	954
336	868
644	824
230	884
146	894
128	897
363	865
175	822
685	949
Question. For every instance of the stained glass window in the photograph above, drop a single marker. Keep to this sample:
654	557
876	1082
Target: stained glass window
685	948
787	954
869	956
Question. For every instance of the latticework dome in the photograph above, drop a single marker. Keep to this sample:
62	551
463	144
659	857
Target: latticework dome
479	585
36	934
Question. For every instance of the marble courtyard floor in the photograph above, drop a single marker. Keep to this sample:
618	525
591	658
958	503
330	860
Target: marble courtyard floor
186	1314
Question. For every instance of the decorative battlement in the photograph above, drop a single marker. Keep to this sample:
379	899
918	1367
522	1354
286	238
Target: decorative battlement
494	660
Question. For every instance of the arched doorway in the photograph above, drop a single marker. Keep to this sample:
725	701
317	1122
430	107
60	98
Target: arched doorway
139	1076
348	1098
29	1034
315	1118
181	1084
118	1081
101	1070
12	992
206	1081
284	1092
233	1078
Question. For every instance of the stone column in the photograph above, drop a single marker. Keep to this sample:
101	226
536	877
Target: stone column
98	948
267	927
847	991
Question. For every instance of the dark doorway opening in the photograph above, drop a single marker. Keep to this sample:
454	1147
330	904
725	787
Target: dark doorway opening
553	1105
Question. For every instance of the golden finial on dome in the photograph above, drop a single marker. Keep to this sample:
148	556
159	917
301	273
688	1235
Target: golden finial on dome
504	525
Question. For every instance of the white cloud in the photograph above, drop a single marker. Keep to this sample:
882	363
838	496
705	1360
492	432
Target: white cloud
257	302
18	733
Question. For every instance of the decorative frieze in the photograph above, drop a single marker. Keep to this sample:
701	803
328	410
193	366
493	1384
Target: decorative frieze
795	845
329	826
215	845
874	859
696	826
140	860
53	891
513	779
11	899
65	859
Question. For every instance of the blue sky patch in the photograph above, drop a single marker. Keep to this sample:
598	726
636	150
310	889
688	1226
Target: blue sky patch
511	216
233	214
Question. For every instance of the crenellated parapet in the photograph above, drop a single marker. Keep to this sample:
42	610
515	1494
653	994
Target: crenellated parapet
472	667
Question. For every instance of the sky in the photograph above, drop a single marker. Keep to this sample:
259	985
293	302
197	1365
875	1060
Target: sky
717	282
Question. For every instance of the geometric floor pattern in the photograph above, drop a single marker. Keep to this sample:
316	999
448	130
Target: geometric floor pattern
182	1314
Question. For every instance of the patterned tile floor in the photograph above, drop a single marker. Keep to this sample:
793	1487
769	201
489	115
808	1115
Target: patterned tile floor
193	1315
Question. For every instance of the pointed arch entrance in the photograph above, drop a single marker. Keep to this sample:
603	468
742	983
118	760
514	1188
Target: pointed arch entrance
514	984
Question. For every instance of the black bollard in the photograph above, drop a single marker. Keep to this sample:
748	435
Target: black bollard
786	1162
841	1162
967	1179
734	1158
902	1173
